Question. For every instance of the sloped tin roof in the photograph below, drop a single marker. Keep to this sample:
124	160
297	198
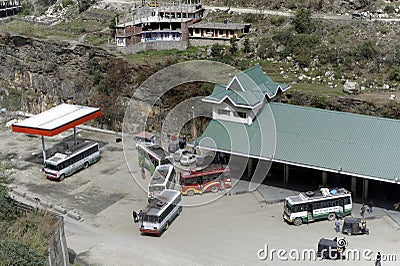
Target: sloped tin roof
247	89
334	141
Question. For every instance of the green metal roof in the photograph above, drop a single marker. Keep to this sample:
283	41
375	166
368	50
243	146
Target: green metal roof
334	141
247	89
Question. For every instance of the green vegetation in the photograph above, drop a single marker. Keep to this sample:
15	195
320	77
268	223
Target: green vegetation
23	239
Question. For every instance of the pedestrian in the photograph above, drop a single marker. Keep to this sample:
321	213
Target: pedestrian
362	210
337	225
370	205
135	217
378	259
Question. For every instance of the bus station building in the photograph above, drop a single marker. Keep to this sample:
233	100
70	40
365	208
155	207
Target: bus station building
325	147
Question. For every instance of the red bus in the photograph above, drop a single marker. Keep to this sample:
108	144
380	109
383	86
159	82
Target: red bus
206	180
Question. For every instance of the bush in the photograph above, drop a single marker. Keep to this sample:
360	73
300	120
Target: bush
395	74
367	50
26	8
67	2
84	5
16	253
277	20
389	9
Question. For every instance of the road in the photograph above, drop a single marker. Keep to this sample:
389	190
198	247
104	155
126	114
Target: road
291	14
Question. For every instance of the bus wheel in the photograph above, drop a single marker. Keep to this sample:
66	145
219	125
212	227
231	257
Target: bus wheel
331	216
86	165
62	177
190	192
214	189
298	221
166	226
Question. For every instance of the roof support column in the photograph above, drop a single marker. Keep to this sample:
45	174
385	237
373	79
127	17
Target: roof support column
74	135
250	167
354	185
286	174
324	178
365	189
44	150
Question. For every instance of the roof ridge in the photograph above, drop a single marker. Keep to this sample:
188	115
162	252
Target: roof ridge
335	111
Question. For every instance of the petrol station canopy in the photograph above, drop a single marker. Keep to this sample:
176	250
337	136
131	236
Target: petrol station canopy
56	120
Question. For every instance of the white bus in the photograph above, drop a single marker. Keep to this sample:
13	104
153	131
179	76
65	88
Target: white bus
77	157
160	212
315	205
151	156
162	178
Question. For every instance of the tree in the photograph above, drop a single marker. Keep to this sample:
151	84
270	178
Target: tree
246	46
216	50
233	41
303	22
85	4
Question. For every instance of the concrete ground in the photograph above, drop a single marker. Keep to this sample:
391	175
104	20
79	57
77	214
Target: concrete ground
232	230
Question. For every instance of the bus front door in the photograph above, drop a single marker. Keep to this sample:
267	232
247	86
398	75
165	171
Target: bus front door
310	216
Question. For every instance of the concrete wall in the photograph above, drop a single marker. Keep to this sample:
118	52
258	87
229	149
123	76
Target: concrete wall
154	45
207	42
58	250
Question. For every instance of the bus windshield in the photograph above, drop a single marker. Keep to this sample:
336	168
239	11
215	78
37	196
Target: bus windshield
156	188
288	207
51	166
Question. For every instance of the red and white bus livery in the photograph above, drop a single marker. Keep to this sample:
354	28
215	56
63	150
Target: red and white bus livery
198	182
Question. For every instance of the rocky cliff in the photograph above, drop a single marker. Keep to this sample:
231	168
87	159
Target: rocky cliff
38	74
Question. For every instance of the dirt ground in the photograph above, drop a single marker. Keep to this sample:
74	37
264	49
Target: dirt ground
228	231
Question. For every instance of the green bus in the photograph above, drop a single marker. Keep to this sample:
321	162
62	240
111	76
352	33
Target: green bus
316	205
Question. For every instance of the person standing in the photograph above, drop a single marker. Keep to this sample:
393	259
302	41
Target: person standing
378	259
362	210
337	225
370	205
135	217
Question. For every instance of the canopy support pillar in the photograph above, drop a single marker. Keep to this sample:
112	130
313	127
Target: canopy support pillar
74	135
324	178
354	186
44	150
286	174
365	189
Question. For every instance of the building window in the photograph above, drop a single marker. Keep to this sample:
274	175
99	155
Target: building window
224	112
197	31
221	32
240	114
231	32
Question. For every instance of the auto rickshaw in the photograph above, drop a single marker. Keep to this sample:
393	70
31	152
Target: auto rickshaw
331	249
354	226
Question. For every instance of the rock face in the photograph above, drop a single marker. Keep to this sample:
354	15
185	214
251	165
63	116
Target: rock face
56	70
36	75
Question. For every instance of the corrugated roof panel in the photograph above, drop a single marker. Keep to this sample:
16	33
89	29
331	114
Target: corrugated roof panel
359	144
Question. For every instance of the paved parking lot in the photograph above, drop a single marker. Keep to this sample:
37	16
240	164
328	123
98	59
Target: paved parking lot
229	231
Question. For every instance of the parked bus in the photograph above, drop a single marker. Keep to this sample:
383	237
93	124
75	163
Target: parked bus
160	212
79	156
151	156
315	205
205	180
162	178
145	138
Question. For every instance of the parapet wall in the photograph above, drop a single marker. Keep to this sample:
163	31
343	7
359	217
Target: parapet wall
153	45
